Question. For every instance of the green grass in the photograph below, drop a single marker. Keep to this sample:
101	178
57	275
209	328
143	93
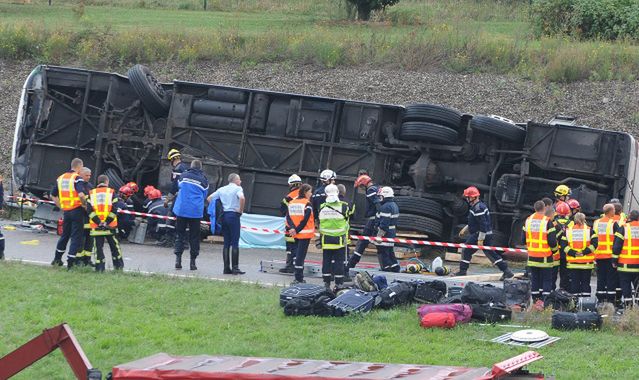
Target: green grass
118	318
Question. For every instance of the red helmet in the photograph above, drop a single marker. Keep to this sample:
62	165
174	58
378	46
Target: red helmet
362	180
148	191
573	204
126	190
471	192
562	208
133	186
155	194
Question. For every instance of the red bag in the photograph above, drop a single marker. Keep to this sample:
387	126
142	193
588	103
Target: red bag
443	320
462	312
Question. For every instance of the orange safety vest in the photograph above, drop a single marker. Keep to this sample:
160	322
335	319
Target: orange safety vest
629	257
620	219
296	209
537	236
604	229
102	202
69	198
292	195
578	239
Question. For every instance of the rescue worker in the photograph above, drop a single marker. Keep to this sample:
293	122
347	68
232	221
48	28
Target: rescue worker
605	228
541	240
300	224
124	202
103	222
84	256
1	211
575	207
294	183
561	222
387	220
549	210
365	184
342	197
154	204
334	219
626	256
562	194
177	168
620	216
189	209
327	177
232	199
480	232
579	243
68	194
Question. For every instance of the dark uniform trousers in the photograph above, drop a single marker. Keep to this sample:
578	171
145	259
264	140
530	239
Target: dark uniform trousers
72	229
301	247
193	225
370	229
541	282
607	281
114	246
231	228
467	253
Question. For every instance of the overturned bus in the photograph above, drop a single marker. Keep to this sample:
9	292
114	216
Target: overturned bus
123	126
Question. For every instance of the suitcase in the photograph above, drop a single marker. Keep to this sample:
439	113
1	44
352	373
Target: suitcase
353	301
462	313
426	293
310	292
442	320
454	291
481	294
587	320
587	304
491	313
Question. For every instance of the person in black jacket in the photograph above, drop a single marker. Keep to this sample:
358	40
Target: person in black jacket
387	217
365	184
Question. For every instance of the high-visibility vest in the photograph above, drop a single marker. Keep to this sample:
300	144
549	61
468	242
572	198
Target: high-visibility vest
102	202
333	219
296	209
604	229
68	196
629	257
539	253
293	194
620	219
579	239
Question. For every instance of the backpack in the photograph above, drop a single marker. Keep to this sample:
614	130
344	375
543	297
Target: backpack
517	292
586	320
474	293
397	293
491	312
442	320
461	312
561	300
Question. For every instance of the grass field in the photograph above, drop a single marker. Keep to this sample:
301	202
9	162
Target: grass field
122	317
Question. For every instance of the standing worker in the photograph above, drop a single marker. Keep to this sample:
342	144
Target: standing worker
562	194
189	209
541	240
626	256
327	177
620	216
177	168
334	223
579	243
103	222
480	232
561	222
294	183
575	207
84	256
232	198
68	194
387	217
364	183
300	224
605	228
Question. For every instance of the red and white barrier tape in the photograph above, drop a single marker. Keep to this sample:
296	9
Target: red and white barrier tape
355	237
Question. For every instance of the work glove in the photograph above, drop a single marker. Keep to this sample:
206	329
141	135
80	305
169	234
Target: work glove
463	232
480	242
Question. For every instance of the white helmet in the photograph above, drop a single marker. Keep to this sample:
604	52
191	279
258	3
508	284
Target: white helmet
294	179
332	193
327	175
386	192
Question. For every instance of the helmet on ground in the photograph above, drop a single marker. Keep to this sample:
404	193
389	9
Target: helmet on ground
471	192
562	209
414	268
173	153
148	190
363	180
155	194
293	179
133	186
126	190
573	204
442	271
386	192
332	193
327	175
562	191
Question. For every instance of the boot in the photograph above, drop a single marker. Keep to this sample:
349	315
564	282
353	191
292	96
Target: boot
507	274
57	259
289	268
178	261
118	264
327	286
70	262
460	273
192	265
227	260
99	267
235	257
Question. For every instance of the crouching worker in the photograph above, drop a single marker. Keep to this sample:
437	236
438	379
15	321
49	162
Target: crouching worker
103	222
579	243
334	218
541	241
158	228
626	256
300	224
125	221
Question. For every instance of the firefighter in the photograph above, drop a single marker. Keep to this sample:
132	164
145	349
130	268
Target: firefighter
549	209
575	207
334	218
177	168
125	221
480	232
626	256
579	243
68	194
300	224
103	222
327	177
294	183
387	220
84	256
605	228
541	240
620	216
562	194
154	204
365	184
561	222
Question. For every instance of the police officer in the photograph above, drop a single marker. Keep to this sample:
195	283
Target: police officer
300	224
480	232
579	243
68	194
606	227
294	183
334	224
189	209
541	240
387	217
84	256
124	202
103	222
154	204
327	177
626	256
364	183
561	222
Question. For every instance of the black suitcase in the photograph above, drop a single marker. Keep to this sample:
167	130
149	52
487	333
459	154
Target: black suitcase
481	294
517	292
586	320
353	300
491	313
587	304
454	291
310	292
426	293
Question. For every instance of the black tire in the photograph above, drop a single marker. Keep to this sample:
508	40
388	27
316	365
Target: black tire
429	132
498	127
433	114
115	181
151	93
431	227
420	206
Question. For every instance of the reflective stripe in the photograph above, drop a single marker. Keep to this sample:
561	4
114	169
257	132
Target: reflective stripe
68	197
102	202
537	236
478	213
579	239
604	229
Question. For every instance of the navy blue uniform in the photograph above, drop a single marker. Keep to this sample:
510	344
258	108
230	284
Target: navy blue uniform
189	208
176	174
157	227
370	228
87	245
125	221
318	198
387	217
72	226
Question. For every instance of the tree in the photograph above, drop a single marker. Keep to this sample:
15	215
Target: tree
365	7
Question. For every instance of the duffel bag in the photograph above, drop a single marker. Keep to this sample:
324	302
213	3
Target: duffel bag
517	292
561	300
452	299
441	320
397	293
586	320
474	293
298	306
462	312
426	293
491	313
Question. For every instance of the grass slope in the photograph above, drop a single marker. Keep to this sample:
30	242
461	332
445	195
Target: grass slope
122	317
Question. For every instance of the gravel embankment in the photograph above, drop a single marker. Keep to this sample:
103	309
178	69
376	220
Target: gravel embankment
608	105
